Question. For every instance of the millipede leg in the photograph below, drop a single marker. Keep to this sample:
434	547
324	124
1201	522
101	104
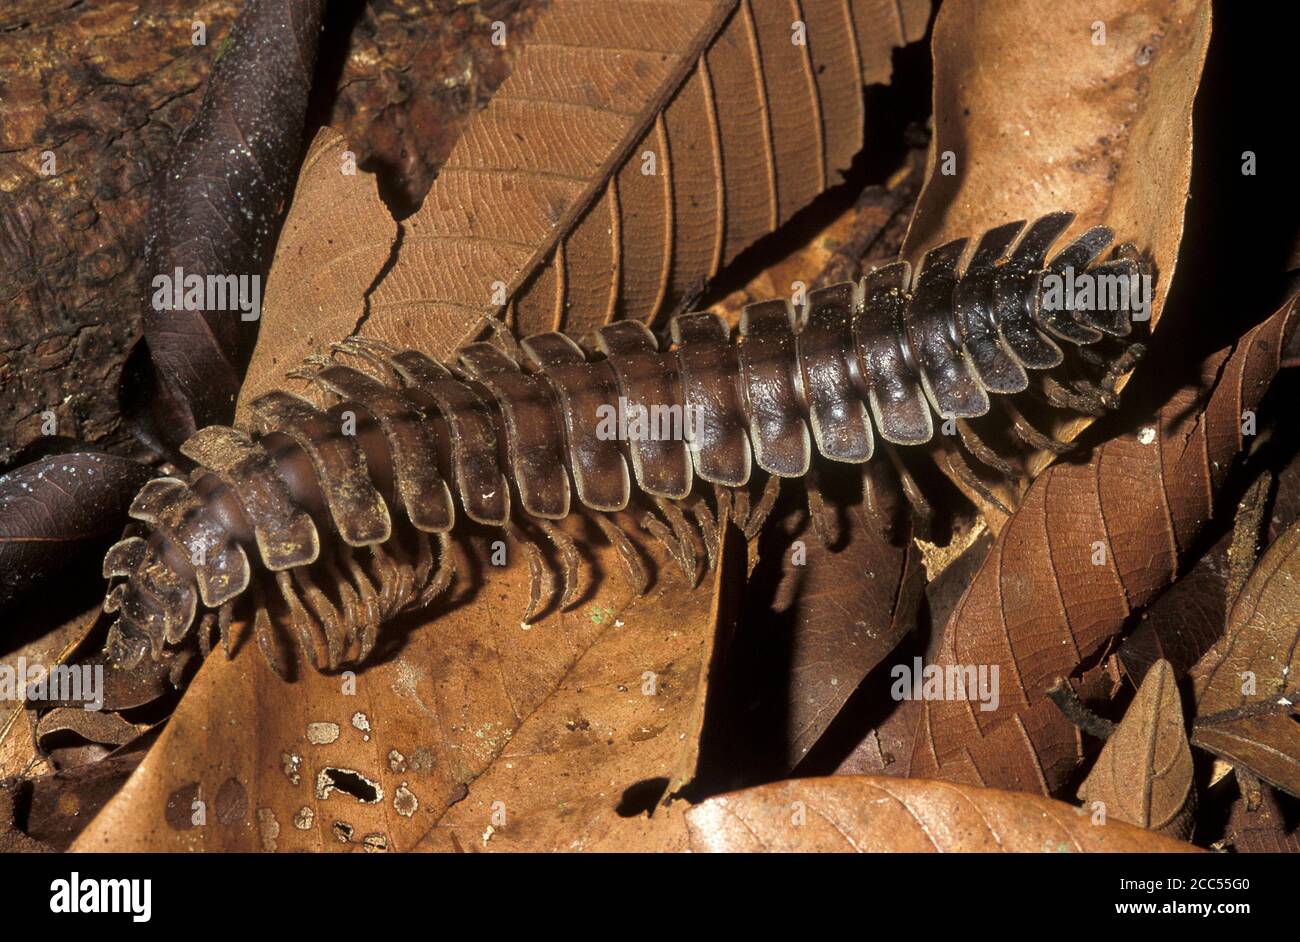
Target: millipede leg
349	601
401	557
389	576
709	530
823	519
633	564
972	480
539	575
375	352
423	561
569	559
1123	364
723	502
739	498
443	576
316	601
502	332
264	632
302	622
911	490
985	455
1063	397
757	516
368	595
687	539
225	614
1031	436
310	369
206	624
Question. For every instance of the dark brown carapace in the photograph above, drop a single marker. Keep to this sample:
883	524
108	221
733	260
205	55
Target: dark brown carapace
330	522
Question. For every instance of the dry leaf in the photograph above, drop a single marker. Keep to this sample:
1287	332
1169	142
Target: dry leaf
67	627
1104	132
1090	543
816	621
544	201
383	763
1248	686
1264	830
216	206
1184	623
870	814
58	512
619	736
1144	773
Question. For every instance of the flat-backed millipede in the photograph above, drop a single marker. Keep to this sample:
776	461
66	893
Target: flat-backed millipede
343	506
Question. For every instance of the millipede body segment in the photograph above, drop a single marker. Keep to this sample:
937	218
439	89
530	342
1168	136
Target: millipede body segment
330	522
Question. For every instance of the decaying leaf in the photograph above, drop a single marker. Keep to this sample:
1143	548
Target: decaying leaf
1248	686
1144	773
1090	543
215	211
59	511
634	150
868	814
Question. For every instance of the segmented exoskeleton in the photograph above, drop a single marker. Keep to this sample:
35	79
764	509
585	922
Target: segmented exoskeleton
331	528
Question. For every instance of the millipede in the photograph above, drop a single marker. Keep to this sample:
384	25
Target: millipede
329	522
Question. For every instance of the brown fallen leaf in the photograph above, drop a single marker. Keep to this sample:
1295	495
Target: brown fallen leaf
61	803
886	747
866	814
1248	686
1267	829
13	839
1144	773
1186	620
357	761
1090	543
548	201
58	513
72	622
215	210
1104	132
619	737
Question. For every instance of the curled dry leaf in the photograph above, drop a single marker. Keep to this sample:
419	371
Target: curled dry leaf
1104	132
634	150
1090	543
871	814
1144	773
217	204
59	511
1248	686
19	755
